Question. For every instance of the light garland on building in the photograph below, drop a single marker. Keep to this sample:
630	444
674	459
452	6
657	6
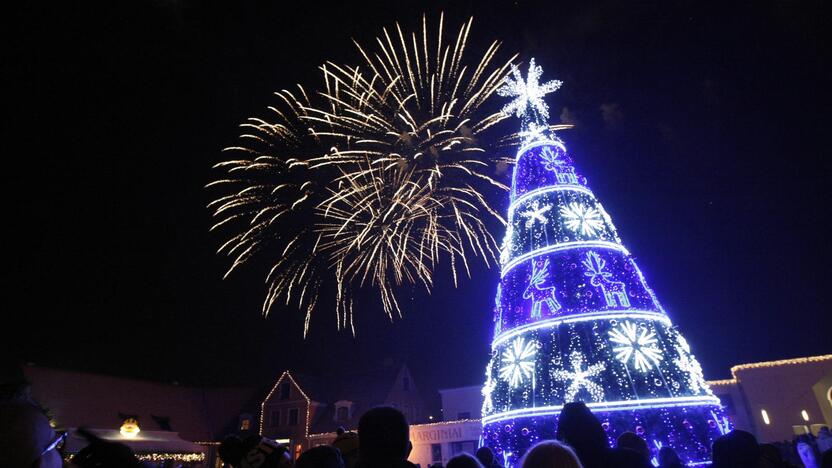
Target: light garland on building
286	374
782	362
179	457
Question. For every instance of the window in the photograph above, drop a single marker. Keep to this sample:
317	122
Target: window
406	383
293	417
469	446
464	415
342	413
245	424
436	453
274	418
284	391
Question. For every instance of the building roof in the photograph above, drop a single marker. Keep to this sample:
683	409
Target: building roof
78	399
365	390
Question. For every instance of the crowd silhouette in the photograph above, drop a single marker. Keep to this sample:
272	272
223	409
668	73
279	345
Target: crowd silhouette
27	440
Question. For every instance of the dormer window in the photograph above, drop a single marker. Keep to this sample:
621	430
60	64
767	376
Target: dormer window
245	422
342	413
343	410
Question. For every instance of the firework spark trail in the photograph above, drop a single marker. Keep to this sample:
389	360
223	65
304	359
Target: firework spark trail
371	179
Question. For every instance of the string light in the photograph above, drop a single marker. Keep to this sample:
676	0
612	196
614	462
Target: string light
286	374
179	457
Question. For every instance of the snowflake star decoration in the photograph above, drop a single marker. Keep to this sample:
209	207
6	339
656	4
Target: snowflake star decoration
578	378
528	102
580	218
518	362
535	213
639	346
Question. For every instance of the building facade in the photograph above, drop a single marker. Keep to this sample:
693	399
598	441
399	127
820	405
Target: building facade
161	422
302	411
461	403
777	400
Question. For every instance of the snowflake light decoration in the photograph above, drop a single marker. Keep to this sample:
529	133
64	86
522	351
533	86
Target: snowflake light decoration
535	213
518	362
528	94
578	378
583	219
640	346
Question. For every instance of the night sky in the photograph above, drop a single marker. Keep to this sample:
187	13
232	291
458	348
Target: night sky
701	129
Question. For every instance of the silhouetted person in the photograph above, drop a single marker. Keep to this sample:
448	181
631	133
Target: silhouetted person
737	449
581	430
629	440
347	443
384	436
254	452
668	458
620	457
464	460
826	459
770	457
824	440
806	451
104	454
485	456
550	454
26	439
322	456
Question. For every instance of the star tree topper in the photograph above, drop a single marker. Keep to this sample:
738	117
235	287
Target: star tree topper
528	102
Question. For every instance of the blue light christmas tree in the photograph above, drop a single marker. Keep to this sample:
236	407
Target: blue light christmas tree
574	318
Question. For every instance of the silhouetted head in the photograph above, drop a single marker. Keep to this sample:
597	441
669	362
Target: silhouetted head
581	430
347	444
737	449
485	456
26	438
621	457
322	456
770	457
384	435
550	454
463	460
629	440
668	457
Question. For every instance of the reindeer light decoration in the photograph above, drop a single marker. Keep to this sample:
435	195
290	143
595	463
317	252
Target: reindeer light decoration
540	294
614	291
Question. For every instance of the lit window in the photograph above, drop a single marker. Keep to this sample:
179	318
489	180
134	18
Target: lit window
805	415
765	417
245	425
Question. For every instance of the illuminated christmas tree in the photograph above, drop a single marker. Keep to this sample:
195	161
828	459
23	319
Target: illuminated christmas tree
574	318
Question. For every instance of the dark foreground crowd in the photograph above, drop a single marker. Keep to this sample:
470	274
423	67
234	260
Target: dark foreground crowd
28	441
